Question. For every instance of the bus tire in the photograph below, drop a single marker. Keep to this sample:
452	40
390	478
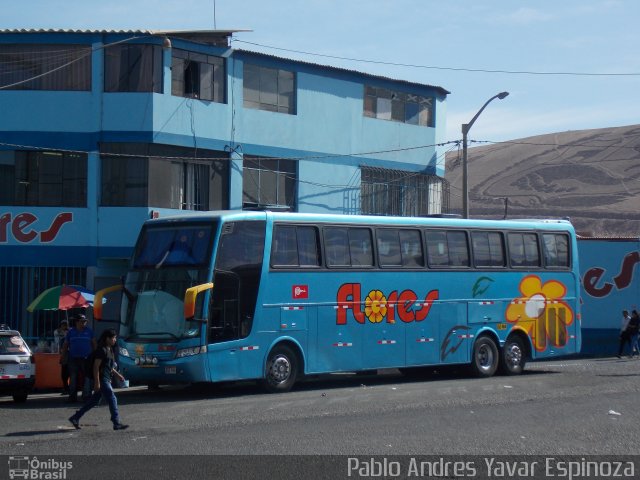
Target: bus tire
281	370
514	357
484	362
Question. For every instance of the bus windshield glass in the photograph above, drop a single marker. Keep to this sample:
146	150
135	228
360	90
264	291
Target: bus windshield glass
168	261
166	246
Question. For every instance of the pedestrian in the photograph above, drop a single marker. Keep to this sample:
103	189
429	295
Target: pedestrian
634	329
59	335
625	336
104	367
78	345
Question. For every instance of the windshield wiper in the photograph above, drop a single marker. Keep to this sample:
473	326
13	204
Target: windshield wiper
175	337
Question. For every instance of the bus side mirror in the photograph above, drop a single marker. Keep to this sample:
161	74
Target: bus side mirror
190	299
99	299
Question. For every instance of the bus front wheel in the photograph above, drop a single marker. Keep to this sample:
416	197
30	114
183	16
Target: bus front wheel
513	357
282	369
485	357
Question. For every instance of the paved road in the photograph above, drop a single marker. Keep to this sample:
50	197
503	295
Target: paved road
588	406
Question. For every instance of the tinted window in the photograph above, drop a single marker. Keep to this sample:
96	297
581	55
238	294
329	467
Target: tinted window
348	247
361	247
169	246
295	246
411	248
556	249
523	250
447	248
388	242
488	249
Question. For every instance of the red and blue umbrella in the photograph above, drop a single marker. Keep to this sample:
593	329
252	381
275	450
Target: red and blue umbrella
62	297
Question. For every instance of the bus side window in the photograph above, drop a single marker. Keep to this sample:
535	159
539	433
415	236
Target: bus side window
411	248
437	250
488	249
360	247
388	243
523	250
336	247
556	250
458	249
308	247
284	246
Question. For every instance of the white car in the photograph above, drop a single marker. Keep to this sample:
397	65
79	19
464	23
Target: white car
17	367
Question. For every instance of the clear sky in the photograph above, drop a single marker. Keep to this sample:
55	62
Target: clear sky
447	43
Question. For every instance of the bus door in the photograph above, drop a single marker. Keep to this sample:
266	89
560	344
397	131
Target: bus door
233	351
338	347
456	336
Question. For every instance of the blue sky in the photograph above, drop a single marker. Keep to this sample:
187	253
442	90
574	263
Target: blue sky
570	36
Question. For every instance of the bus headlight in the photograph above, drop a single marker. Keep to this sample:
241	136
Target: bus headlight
188	352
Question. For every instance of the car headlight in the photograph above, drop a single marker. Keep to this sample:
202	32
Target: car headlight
124	352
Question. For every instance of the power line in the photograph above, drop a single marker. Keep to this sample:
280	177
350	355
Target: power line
434	67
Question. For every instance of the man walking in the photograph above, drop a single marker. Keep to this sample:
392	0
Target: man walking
79	344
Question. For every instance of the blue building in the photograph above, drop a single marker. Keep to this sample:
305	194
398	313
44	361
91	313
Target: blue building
102	129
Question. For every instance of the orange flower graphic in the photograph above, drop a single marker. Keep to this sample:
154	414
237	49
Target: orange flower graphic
375	306
542	312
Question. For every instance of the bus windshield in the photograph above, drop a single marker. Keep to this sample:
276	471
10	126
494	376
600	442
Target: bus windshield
166	246
168	261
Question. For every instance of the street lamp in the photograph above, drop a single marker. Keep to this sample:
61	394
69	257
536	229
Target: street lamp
465	130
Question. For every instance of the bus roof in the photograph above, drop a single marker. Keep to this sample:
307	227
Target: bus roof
236	215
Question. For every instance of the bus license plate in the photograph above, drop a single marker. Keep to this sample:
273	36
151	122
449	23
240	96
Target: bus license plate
170	370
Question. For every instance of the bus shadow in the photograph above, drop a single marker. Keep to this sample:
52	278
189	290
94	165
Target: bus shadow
203	391
323	382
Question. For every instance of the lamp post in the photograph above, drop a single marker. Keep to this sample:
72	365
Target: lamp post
465	130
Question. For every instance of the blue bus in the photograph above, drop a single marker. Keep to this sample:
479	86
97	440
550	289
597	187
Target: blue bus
224	296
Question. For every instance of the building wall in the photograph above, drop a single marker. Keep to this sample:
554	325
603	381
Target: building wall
610	284
329	126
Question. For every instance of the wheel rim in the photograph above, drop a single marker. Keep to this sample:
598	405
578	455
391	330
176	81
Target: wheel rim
280	369
513	355
485	357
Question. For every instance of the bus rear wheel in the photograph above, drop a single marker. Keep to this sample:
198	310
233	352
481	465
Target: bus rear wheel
281	371
513	357
485	357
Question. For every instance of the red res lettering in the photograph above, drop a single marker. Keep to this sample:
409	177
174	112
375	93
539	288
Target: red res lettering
4	221
591	278
349	299
19	225
55	227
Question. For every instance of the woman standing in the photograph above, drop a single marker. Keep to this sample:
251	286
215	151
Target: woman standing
103	368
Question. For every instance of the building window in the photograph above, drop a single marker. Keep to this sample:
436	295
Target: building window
133	68
164	176
268	182
398	106
43	178
269	89
197	75
45	67
398	192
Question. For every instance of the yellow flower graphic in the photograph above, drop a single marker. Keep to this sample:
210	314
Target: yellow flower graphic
375	306
542	312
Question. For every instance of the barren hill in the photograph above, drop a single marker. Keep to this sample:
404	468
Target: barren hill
590	176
